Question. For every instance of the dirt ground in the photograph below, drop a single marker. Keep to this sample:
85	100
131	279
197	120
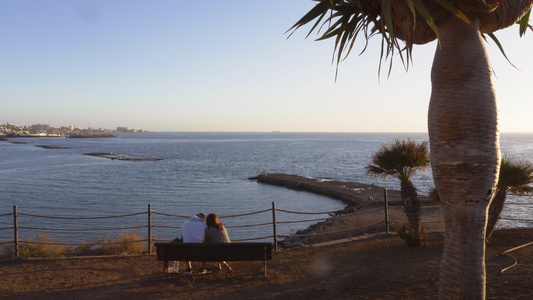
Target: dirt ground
374	268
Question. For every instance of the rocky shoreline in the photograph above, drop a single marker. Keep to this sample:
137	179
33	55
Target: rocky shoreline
353	194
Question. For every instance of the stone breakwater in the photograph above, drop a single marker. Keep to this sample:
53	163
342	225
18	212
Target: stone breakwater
351	193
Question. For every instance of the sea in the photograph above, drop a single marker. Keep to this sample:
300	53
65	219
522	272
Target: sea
197	172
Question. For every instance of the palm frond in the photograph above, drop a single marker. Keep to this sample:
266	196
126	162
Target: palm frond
524	23
516	175
495	39
455	11
399	23
345	19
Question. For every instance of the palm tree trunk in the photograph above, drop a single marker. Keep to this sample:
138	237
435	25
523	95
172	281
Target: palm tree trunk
465	154
411	206
495	211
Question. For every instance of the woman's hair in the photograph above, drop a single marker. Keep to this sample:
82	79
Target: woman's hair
212	220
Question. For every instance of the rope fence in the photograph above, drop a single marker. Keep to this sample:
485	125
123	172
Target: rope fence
84	244
80	218
372	207
84	229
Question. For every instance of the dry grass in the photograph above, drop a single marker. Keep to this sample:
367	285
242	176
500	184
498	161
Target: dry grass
42	246
126	243
371	220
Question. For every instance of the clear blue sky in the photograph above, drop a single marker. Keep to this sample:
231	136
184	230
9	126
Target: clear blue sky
212	65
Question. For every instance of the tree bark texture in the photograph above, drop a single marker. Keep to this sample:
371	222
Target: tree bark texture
411	205
495	211
465	154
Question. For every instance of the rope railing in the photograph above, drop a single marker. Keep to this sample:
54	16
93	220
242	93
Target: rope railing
150	226
306	213
254	239
83	244
301	221
251	225
83	229
246	214
358	208
163	226
81	218
370	209
169	215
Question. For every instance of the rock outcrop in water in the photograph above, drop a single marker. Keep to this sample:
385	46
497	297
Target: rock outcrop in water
51	147
118	156
91	135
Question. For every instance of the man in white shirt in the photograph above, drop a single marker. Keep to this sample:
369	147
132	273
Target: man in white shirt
193	231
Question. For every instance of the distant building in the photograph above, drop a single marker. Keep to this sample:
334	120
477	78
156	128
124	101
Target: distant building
40	127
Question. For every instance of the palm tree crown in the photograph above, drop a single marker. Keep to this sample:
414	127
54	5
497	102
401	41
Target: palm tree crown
401	159
404	23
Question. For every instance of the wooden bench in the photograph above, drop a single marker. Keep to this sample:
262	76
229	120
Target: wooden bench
213	252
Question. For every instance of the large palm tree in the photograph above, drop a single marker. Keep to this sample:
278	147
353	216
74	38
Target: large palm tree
516	176
403	159
462	120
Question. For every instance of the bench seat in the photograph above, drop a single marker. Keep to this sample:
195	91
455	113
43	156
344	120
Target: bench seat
213	252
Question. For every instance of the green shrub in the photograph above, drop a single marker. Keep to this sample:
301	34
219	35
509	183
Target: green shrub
406	234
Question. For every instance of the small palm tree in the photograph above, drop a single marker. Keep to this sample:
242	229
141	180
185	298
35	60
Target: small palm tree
403	159
516	176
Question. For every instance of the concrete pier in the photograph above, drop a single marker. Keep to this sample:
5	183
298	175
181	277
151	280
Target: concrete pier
352	193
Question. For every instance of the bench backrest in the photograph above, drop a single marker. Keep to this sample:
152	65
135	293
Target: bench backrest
214	251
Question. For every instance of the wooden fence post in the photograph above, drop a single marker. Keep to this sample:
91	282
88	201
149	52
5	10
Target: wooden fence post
274	226
386	201
16	230
149	228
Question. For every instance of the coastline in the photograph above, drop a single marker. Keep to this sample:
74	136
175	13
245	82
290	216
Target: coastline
359	199
351	193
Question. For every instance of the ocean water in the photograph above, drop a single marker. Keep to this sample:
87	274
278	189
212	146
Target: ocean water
198	172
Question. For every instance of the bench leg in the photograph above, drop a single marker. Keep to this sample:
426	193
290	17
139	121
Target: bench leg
165	269
265	268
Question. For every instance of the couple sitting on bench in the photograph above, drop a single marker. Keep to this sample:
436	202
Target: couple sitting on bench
199	229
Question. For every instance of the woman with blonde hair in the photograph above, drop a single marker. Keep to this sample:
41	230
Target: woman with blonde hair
216	233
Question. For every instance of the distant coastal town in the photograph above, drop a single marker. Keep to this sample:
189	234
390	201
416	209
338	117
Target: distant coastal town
43	130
